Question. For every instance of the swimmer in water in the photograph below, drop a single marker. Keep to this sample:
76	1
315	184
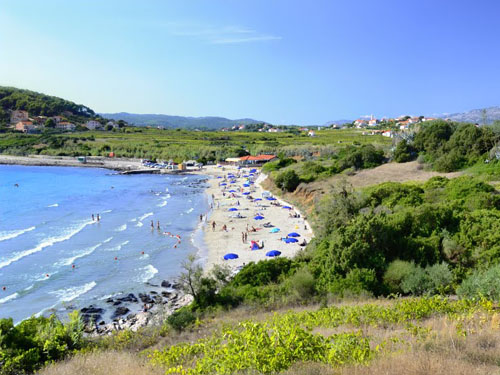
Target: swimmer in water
98	218
158	224
152	225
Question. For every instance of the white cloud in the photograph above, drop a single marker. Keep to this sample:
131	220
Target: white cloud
221	35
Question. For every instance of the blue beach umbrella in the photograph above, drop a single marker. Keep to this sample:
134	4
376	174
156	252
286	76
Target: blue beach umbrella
246	193
293	234
287	207
231	256
246	185
255	246
273	253
245	175
259	217
223	184
290	240
257	199
270	198
232	191
253	170
274	230
233	209
219	176
232	182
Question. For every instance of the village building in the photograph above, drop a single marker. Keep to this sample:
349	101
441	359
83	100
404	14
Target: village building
93	125
257	160
25	126
115	125
311	133
18	115
65	125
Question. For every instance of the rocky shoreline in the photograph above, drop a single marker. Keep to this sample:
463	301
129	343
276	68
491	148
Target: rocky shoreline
159	304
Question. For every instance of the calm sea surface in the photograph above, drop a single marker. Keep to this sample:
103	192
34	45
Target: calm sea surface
53	257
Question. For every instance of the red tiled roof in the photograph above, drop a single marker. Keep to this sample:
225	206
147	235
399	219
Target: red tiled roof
257	158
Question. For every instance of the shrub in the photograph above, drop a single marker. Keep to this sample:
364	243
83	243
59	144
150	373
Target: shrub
482	284
357	282
403	152
287	180
303	284
433	279
397	271
181	318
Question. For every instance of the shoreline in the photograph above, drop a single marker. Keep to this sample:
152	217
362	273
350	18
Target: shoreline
211	245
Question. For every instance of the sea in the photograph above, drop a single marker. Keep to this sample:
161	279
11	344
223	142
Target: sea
55	258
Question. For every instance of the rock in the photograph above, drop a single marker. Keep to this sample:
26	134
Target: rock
176	286
153	292
145	298
102	322
128	298
92	310
166	284
157	299
109	300
131	316
116	303
122	310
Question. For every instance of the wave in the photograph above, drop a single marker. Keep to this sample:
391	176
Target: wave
148	273
118	247
107	211
107	240
139	224
141	218
162	204
42	245
69	294
87	251
53	205
190	210
7	235
8	298
121	228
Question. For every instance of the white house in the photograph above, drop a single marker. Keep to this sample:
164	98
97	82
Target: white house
311	133
92	125
65	125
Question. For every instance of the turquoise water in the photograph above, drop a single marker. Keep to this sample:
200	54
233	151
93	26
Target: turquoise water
54	257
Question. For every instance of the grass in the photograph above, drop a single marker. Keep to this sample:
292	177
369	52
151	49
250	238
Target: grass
181	144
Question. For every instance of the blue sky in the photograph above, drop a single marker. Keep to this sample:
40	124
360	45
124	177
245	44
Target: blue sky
283	61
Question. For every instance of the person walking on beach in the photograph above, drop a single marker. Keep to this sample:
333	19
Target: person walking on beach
152	225
243	237
213	226
93	219
158	224
98	218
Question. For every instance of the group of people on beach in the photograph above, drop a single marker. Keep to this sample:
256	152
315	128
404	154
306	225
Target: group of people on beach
96	217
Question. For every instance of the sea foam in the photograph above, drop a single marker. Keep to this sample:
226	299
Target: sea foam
7	235
45	243
8	298
69	294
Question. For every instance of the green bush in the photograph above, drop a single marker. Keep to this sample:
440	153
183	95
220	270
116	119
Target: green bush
482	284
357	282
302	283
397	271
37	341
403	152
430	280
287	180
181	318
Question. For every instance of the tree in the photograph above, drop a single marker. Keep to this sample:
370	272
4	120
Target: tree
287	180
403	152
50	123
190	278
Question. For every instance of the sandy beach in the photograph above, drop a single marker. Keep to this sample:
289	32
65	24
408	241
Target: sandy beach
280	220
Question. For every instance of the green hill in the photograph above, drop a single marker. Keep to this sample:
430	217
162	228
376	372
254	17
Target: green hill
38	104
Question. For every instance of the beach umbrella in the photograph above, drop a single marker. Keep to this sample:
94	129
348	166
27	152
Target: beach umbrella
246	185
274	230
219	176
273	253
287	207
255	246
270	198
259	217
257	199
232	182
233	209
253	170
293	234
290	240
232	191
231	256
223	184
246	193
251	182
245	175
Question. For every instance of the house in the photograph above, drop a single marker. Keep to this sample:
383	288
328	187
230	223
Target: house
311	133
65	125
275	130
115	125
388	133
57	119
359	123
18	115
93	125
40	120
234	161
25	126
373	122
257	160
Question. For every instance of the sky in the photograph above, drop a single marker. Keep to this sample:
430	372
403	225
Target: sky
281	61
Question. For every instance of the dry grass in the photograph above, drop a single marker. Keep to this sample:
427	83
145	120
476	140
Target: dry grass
103	363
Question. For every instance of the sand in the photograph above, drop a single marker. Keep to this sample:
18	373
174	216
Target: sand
220	242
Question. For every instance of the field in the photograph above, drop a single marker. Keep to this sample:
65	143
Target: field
181	144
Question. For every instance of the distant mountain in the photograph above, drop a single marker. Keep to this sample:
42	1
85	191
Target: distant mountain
178	121
479	116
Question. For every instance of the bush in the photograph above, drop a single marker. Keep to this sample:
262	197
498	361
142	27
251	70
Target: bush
482	284
181	318
403	152
430	280
397	271
359	281
302	283
287	180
